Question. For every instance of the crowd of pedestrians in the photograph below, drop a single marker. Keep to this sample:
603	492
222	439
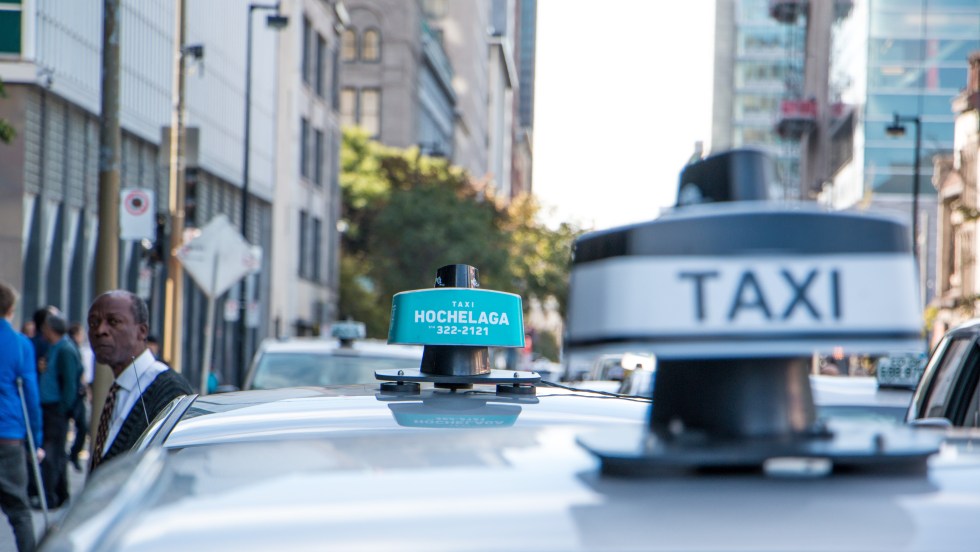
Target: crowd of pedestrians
46	374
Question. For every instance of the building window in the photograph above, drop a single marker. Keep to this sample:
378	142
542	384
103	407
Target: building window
335	78
304	146
348	45
307	57
348	107
369	112
318	157
361	108
317	257
10	29
310	244
304	243
321	63
371	45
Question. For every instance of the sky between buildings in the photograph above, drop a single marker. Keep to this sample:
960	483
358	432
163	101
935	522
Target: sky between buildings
622	93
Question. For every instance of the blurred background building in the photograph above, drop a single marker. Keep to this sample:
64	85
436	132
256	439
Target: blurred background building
305	257
956	177
840	73
442	76
445	77
758	63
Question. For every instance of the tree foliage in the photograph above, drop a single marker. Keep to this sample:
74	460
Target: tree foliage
7	131
405	215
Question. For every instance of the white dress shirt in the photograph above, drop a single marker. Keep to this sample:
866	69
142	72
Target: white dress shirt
132	383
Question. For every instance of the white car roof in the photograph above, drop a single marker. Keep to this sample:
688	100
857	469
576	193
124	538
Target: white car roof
328	345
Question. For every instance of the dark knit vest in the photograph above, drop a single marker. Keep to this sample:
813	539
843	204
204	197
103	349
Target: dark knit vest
166	387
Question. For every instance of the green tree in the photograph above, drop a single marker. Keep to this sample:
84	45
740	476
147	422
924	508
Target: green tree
407	215
540	258
546	345
7	131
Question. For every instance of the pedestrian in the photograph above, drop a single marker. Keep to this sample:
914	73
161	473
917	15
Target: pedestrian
41	345
118	324
16	362
83	404
59	392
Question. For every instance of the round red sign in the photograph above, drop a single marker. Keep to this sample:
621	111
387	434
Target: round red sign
136	202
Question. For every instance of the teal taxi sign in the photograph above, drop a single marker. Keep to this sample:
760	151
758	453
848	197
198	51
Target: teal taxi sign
457	316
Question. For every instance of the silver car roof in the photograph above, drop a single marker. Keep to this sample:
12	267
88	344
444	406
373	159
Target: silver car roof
342	473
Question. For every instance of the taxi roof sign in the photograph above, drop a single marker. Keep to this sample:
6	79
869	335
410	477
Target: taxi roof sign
747	280
348	330
457	316
457	322
734	298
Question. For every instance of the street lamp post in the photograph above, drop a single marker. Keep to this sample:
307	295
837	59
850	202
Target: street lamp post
898	129
274	21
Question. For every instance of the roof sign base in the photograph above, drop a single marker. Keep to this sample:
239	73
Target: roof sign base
502	377
854	447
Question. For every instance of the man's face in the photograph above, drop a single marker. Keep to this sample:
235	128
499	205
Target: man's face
115	336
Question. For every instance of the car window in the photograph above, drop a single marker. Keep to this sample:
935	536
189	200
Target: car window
972	418
959	354
293	369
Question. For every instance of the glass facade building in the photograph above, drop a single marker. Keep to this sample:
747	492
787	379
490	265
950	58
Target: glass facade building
762	62
917	52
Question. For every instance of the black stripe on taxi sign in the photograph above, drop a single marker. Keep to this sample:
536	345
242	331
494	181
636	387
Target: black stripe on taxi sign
787	337
741	230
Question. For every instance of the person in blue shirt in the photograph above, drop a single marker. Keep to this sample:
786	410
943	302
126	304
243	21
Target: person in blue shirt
58	385
16	363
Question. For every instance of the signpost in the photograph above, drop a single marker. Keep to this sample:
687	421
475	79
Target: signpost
216	259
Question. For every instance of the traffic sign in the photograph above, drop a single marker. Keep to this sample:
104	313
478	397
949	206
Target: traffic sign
218	257
137	216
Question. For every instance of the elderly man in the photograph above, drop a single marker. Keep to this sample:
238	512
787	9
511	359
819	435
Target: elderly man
118	323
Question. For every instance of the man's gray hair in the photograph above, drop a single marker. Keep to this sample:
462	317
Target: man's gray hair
141	313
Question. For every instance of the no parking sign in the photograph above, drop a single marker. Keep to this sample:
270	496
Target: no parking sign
137	220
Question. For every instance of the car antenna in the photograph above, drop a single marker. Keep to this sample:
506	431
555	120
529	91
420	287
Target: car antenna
139	388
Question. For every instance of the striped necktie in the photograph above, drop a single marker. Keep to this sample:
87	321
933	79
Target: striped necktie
103	433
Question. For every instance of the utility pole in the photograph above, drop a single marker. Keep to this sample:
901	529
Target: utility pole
174	292
107	245
107	248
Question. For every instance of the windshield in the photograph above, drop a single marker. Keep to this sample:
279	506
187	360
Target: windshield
276	370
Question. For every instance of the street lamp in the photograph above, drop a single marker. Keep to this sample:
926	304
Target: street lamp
274	21
897	129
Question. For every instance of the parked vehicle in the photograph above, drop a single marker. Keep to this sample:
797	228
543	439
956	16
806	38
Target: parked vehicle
316	361
948	391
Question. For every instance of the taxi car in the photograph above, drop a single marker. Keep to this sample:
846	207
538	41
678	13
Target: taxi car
728	453
347	358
